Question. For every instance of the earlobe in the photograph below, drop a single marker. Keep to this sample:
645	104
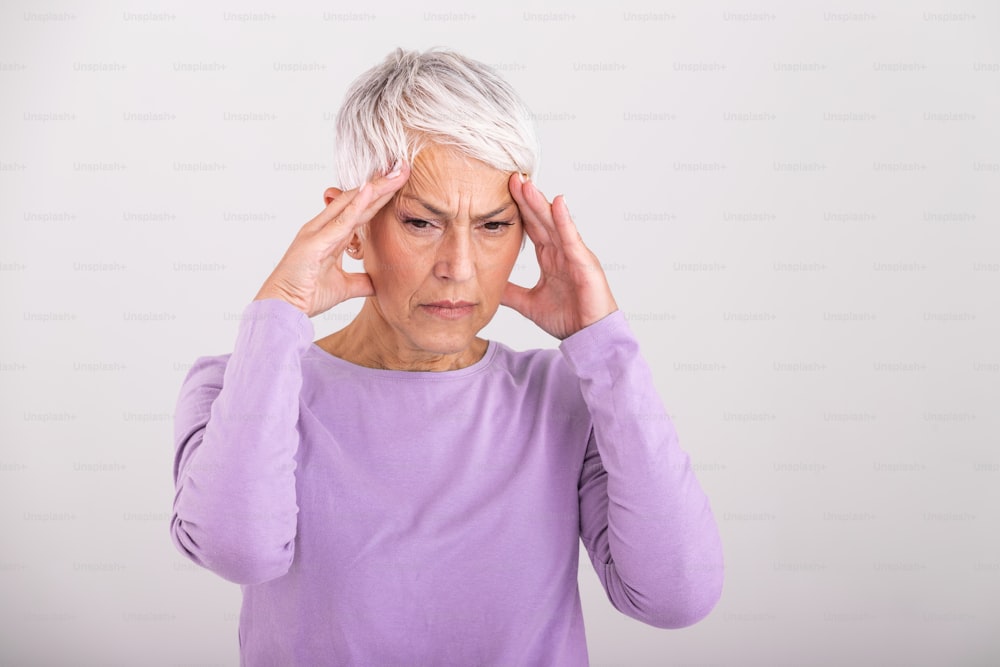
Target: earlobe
354	249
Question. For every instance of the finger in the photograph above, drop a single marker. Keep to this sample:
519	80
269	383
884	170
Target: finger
389	182
332	210
381	190
539	204
557	221
336	232
533	225
563	223
370	199
332	240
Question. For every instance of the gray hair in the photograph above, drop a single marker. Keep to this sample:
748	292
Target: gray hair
412	99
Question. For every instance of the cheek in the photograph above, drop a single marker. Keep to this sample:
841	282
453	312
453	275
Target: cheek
393	259
502	259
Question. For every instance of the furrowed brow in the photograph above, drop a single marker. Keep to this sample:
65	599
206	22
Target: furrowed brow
438	212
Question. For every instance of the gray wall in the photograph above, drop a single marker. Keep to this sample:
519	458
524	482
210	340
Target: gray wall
796	205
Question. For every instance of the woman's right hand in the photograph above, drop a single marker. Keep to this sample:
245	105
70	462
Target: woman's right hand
310	275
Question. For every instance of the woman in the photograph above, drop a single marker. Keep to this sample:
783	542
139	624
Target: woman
403	492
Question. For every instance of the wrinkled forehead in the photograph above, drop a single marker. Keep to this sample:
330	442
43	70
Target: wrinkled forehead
444	175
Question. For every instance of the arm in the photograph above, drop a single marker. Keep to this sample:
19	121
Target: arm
644	519
235	509
236	435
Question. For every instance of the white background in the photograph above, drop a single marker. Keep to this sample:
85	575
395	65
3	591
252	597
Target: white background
796	205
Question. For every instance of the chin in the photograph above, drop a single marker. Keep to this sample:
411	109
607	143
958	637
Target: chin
445	337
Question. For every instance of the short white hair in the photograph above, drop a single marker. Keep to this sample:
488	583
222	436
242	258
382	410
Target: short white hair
413	99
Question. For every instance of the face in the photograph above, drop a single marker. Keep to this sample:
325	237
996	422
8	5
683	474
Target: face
440	253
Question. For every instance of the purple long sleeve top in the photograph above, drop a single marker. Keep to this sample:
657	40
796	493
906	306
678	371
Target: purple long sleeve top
388	517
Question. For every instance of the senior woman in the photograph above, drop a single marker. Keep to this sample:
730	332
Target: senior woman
402	491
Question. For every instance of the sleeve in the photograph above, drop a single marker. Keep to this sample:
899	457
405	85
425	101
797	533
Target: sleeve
646	523
235	436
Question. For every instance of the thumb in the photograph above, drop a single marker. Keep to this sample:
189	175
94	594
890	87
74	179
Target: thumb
359	284
516	297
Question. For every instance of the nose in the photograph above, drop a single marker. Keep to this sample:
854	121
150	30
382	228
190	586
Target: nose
455	259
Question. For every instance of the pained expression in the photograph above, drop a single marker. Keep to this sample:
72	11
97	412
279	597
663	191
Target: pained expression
451	234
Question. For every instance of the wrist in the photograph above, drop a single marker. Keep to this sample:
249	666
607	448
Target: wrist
271	293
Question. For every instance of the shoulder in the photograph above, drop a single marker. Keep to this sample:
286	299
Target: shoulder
588	346
541	374
534	363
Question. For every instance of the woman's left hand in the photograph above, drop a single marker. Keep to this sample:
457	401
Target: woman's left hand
572	291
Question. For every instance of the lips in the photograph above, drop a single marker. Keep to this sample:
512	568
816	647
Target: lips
449	310
450	304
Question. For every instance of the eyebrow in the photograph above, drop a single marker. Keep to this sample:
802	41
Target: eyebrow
438	212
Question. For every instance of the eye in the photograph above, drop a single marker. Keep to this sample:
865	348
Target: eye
497	226
418	224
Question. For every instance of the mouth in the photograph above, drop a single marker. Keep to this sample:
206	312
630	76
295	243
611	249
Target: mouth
449	310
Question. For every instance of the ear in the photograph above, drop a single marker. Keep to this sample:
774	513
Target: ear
330	194
356	248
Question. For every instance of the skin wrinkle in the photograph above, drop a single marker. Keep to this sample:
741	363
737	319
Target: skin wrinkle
435	210
454	258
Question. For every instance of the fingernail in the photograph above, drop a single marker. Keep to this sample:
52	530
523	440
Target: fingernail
397	167
522	176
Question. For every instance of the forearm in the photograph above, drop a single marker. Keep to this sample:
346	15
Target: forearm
660	558
235	507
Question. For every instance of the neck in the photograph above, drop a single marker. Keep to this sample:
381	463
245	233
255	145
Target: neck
370	341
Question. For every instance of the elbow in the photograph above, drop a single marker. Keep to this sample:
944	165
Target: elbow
688	603
691	588
681	611
679	602
236	559
250	570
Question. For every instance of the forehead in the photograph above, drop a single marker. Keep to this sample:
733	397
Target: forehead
444	177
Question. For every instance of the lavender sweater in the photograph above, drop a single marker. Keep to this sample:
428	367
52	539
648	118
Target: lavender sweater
384	517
